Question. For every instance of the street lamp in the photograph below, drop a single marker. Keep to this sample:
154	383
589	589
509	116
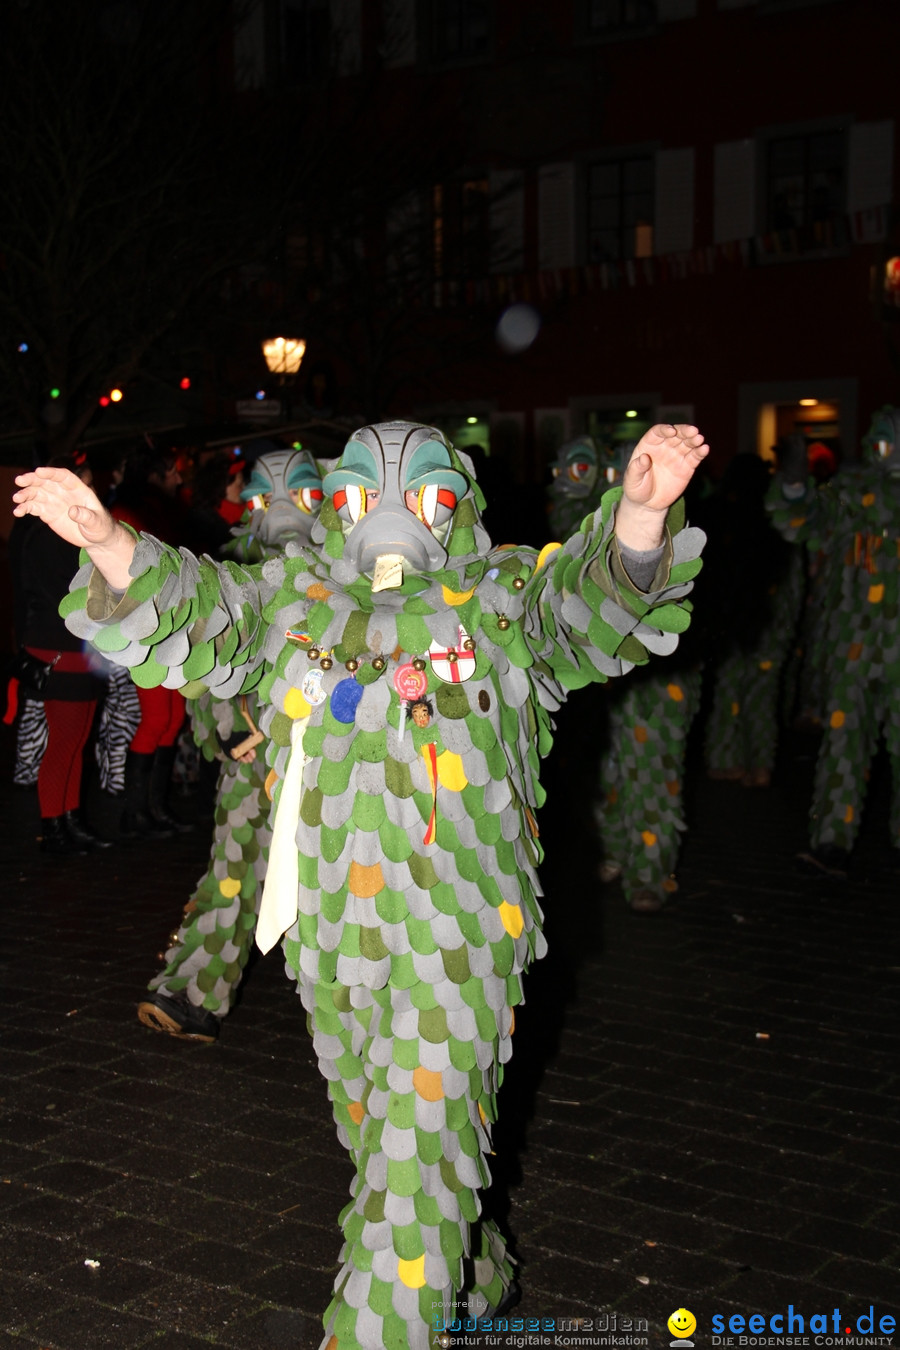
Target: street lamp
283	355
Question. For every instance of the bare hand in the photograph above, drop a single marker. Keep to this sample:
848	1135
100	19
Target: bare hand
660	469
75	513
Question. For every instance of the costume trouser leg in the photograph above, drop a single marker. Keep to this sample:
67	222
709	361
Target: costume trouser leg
412	1103
759	712
650	722
852	716
210	949
31	741
724	744
119	718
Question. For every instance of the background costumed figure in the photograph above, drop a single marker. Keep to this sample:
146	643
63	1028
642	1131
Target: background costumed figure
577	486
757	611
209	950
409	673
856	514
640	811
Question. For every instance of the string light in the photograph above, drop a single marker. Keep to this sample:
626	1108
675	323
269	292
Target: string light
185	383
104	400
54	392
116	395
23	347
260	395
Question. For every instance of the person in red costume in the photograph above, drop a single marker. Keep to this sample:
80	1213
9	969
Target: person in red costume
42	565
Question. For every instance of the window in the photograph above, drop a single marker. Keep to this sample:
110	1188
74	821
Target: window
459	29
461	233
806	185
599	19
604	16
620	209
306	34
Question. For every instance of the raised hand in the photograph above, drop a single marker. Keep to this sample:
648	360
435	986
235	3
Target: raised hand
660	469
75	513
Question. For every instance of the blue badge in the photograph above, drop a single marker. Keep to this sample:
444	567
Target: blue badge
345	700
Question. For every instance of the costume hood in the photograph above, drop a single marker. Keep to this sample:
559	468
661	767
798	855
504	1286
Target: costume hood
400	501
276	475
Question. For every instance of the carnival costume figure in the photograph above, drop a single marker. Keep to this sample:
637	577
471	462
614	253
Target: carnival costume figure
576	487
856	516
640	810
758	612
208	953
408	673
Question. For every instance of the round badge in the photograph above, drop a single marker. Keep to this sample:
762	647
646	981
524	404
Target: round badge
410	683
311	687
345	700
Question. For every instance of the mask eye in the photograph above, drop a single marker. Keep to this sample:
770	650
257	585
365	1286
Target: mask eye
611	474
434	505
579	470
350	502
309	500
884	448
258	503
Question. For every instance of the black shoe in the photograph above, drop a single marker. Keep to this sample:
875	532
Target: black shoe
137	822
177	1016
141	825
160	782
57	842
828	860
81	834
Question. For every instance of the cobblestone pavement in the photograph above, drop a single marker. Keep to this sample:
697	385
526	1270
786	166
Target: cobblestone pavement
702	1109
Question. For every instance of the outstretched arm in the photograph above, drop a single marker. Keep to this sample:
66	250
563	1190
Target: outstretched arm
75	513
660	469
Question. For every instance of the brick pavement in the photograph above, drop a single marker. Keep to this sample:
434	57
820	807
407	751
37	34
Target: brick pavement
702	1110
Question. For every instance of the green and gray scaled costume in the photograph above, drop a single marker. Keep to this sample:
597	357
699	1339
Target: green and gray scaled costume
641	811
742	730
415	911
209	950
856	517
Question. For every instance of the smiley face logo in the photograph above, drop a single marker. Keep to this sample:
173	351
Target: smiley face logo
682	1324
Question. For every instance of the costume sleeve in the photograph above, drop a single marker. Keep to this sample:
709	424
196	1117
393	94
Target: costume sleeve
182	619
582	617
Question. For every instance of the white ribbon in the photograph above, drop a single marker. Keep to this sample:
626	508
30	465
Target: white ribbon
279	906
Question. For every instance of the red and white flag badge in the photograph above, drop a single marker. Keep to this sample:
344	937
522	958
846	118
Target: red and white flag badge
453	665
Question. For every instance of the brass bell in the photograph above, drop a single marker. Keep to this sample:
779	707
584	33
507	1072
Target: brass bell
469	645
326	663
352	666
503	624
418	664
519	583
313	653
452	658
378	663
